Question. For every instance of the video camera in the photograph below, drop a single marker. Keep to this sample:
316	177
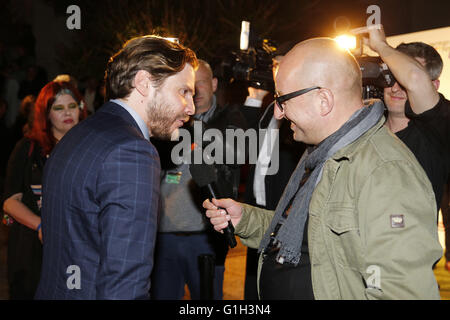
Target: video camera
375	73
375	76
253	63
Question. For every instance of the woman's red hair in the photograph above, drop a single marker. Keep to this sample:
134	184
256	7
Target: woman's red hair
41	131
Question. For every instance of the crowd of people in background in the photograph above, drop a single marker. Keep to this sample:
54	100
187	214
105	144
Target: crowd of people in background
34	115
37	112
56	111
21	80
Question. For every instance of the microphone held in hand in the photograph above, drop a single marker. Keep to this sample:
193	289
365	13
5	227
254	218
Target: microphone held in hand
204	175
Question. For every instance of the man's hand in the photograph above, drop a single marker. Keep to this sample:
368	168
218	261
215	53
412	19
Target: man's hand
217	211
376	40
257	94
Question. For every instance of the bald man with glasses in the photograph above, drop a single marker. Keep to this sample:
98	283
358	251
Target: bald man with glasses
357	218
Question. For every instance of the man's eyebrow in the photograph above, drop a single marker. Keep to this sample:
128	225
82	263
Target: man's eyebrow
190	89
186	87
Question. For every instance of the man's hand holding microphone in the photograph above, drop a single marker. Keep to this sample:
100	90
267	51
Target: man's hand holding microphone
221	211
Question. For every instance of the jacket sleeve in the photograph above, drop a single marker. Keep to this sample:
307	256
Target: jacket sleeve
128	193
399	234
253	225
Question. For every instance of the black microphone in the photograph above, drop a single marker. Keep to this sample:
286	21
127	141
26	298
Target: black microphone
204	175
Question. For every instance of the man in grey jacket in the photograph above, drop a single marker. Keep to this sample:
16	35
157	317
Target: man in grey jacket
357	218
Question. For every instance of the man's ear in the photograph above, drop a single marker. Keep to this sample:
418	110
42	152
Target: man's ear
326	101
142	82
436	84
214	84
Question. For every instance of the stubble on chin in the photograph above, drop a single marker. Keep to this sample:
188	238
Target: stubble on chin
160	120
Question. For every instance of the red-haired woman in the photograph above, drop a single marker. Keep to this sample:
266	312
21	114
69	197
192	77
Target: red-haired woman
58	108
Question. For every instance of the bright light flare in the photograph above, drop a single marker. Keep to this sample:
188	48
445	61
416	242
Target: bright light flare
346	41
245	33
172	39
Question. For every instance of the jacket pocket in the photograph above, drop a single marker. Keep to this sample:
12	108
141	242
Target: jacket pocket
344	238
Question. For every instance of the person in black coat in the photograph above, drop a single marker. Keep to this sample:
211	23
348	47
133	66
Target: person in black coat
289	154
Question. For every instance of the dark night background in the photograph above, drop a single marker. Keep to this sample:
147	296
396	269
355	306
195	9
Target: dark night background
35	32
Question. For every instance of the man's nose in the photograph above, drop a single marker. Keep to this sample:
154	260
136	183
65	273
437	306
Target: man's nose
190	107
396	87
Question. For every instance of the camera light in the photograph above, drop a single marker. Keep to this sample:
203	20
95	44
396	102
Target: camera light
245	32
346	41
174	40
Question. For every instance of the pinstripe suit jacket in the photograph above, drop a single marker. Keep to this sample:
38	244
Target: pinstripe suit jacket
99	212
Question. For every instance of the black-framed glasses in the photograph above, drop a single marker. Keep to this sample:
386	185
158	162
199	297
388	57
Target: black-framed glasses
279	100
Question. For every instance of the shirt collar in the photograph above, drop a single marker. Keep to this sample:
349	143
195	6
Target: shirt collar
140	122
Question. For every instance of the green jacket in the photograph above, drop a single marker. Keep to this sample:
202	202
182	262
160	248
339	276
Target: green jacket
372	230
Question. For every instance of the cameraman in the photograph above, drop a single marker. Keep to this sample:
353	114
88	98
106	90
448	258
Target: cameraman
183	231
417	113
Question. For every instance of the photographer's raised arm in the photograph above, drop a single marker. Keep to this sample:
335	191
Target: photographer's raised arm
409	73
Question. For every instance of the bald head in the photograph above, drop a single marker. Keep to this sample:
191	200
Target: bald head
206	68
205	86
320	62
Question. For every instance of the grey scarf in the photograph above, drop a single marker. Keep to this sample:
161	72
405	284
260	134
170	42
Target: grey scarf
290	234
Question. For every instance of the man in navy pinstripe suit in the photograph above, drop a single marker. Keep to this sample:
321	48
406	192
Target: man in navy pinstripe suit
101	182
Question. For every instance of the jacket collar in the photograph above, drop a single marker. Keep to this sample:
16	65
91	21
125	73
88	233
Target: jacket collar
349	151
137	118
115	109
